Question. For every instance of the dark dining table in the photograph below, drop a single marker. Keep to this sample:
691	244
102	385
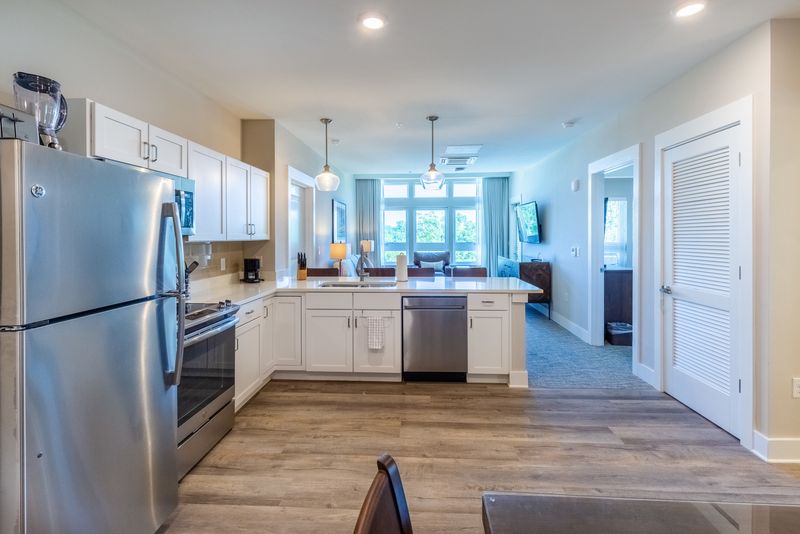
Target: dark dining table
518	513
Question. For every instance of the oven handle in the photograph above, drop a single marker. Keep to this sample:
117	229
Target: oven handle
227	324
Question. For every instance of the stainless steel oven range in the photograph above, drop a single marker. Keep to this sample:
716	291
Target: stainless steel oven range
205	391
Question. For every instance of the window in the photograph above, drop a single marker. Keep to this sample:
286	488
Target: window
432	220
615	241
395	234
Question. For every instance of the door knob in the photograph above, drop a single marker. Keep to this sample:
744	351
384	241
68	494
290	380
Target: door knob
666	290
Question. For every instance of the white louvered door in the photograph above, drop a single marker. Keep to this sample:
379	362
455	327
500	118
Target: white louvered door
700	273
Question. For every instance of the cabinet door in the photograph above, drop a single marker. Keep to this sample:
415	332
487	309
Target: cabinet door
385	360
207	169
329	341
487	341
238	178
267	364
168	152
248	353
259	203
118	136
287	328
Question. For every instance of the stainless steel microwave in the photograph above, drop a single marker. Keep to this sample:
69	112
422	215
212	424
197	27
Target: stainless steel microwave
184	198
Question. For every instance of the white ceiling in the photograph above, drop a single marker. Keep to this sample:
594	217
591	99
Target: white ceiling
502	73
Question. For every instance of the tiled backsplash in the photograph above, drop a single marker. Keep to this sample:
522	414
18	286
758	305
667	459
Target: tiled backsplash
231	251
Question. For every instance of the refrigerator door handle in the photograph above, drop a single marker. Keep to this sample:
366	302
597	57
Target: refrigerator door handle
169	210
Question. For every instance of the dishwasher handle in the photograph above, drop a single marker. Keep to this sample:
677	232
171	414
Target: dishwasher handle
439	307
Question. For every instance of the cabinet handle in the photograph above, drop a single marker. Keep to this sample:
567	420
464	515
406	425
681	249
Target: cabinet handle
266	312
356	320
253	231
249	312
348	322
146	150
487	302
237	345
470	322
155	158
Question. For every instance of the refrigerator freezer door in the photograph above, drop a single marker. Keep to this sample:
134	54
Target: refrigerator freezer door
100	421
79	234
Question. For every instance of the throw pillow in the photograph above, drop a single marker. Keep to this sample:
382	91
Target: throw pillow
437	266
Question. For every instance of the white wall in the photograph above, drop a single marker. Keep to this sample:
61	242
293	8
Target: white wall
45	37
741	69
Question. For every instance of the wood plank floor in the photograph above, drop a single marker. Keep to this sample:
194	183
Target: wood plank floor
302	454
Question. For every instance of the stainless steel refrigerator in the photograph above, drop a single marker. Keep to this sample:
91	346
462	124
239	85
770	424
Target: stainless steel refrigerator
91	338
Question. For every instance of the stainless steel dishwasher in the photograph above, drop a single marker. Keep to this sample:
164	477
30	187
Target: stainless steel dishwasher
435	338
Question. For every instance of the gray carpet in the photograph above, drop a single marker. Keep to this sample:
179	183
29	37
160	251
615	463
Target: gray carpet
557	359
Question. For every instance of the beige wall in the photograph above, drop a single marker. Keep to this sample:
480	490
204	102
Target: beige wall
783	222
266	142
741	69
45	37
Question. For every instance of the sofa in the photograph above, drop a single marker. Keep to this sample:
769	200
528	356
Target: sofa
443	256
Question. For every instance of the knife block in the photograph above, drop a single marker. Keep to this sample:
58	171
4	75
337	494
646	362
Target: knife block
302	274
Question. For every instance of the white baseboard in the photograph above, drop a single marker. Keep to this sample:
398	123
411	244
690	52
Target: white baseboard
575	330
647	374
776	450
518	379
337	377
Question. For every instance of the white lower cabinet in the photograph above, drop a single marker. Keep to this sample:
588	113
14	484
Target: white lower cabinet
267	360
248	355
488	343
287	328
329	341
385	360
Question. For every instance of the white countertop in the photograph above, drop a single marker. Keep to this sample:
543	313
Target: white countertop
226	287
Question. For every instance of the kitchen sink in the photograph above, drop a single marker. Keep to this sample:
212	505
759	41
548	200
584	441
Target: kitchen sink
365	283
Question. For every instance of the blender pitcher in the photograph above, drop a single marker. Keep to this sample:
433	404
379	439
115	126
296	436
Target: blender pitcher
42	98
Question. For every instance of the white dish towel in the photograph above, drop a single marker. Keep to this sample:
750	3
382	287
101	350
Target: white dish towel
375	333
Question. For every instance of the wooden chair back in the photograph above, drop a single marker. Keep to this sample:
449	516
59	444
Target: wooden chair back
385	510
421	272
380	271
322	271
474	272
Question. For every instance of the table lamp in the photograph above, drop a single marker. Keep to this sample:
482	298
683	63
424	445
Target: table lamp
339	252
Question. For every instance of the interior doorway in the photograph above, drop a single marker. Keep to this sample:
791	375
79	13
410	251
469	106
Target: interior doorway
301	218
614	252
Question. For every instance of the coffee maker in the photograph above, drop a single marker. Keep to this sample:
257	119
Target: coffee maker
42	98
252	266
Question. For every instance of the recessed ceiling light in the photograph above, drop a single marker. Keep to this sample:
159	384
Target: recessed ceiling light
689	10
372	21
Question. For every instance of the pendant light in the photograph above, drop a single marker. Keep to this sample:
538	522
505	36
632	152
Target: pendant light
326	180
432	179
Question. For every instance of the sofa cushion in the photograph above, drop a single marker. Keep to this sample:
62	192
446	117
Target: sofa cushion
437	266
443	255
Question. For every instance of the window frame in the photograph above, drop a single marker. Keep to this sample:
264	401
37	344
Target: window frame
449	204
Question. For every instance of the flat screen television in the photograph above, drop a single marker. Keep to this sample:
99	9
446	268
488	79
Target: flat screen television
528	226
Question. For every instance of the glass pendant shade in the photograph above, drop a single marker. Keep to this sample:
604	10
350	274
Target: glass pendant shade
432	179
326	180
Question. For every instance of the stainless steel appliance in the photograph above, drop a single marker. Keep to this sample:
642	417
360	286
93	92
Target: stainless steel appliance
435	338
16	124
205	393
90	343
42	98
184	198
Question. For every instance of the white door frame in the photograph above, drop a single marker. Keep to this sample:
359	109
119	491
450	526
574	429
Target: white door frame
739	113
630	156
305	182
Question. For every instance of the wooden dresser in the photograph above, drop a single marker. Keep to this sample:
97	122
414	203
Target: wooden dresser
538	273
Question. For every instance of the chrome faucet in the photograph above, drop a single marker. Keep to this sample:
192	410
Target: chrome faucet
361	266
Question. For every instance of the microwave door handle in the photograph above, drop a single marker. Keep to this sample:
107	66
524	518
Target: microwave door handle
169	210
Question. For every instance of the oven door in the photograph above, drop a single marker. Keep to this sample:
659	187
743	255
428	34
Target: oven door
207	375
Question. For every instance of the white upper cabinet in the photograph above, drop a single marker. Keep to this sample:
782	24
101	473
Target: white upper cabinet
168	152
119	137
207	169
259	203
238	176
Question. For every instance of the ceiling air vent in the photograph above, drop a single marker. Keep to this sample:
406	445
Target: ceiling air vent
457	160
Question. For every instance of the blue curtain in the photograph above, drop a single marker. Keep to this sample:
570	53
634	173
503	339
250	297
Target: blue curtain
368	208
495	221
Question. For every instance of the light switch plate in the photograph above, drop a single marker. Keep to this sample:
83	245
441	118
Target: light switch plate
796	388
